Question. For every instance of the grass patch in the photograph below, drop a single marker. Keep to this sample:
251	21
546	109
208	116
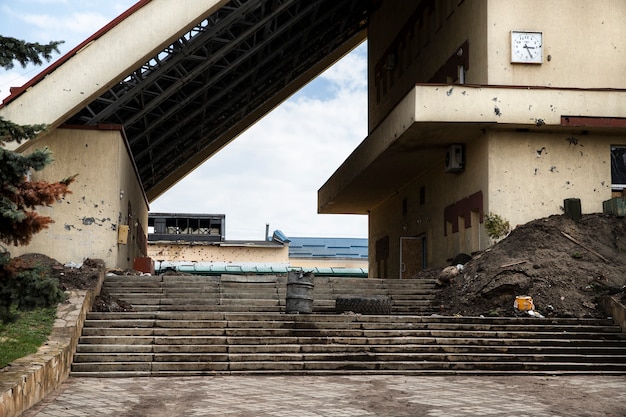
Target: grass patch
24	335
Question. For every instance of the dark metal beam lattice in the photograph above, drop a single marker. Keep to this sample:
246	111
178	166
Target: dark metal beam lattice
184	100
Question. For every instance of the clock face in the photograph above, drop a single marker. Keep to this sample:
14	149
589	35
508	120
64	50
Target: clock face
526	47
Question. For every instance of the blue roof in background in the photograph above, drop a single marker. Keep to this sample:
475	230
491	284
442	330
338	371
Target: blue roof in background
327	247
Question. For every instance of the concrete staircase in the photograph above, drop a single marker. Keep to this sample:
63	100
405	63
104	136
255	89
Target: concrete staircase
236	325
261	293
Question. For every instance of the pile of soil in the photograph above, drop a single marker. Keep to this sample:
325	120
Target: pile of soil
73	277
564	265
84	277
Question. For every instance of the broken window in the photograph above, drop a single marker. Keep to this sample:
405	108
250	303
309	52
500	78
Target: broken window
189	227
618	168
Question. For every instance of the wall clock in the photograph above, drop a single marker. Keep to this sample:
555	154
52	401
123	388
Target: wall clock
526	47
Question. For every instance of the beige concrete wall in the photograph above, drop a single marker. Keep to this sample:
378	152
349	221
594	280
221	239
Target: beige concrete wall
422	47
585	40
591	58
307	263
441	190
87	221
217	253
135	205
522	175
530	174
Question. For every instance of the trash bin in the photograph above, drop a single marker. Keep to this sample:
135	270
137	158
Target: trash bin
299	292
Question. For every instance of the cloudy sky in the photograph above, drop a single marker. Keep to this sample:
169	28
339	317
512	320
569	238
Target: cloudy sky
268	175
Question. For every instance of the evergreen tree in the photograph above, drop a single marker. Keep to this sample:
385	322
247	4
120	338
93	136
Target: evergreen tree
19	196
24	286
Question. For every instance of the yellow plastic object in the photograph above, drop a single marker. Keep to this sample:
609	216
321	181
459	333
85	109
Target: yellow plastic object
524	303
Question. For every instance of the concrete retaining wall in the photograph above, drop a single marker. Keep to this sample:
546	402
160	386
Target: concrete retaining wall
615	309
28	380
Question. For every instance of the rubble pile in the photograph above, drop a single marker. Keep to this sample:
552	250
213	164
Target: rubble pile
563	265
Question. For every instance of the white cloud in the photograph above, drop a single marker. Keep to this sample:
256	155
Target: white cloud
72	28
69	20
121	6
82	23
351	71
45	1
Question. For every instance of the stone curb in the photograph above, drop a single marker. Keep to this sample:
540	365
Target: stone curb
28	380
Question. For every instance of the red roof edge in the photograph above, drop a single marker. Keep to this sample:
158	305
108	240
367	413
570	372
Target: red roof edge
593	121
15	92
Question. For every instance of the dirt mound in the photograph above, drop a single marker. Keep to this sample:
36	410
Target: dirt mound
74	277
71	277
562	264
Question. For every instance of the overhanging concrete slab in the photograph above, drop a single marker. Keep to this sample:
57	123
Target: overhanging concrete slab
431	117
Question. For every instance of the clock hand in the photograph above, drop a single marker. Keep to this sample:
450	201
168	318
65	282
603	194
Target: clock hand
528	48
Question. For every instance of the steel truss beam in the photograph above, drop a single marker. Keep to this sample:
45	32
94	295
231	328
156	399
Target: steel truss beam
184	99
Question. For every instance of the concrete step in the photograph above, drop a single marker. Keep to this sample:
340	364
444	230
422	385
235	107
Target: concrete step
199	300
362	356
340	367
410	297
278	349
208	307
308	339
348	318
426	295
154	315
347	332
343	372
400	327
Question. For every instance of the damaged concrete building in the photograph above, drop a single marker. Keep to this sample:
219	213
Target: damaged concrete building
475	107
479	107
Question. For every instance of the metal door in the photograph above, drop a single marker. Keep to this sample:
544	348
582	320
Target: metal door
412	255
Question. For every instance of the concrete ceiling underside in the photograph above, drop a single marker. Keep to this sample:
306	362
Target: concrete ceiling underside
220	77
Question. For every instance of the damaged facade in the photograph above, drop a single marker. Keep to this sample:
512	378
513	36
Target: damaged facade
105	216
475	107
480	107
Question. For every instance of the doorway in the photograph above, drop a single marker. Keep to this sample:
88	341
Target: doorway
412	255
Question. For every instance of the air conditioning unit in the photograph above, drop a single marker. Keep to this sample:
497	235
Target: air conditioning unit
455	158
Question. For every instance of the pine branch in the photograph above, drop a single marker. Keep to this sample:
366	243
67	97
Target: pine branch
10	131
12	49
19	196
40	193
14	166
20	233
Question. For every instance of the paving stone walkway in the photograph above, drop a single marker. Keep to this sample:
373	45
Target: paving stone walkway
313	396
